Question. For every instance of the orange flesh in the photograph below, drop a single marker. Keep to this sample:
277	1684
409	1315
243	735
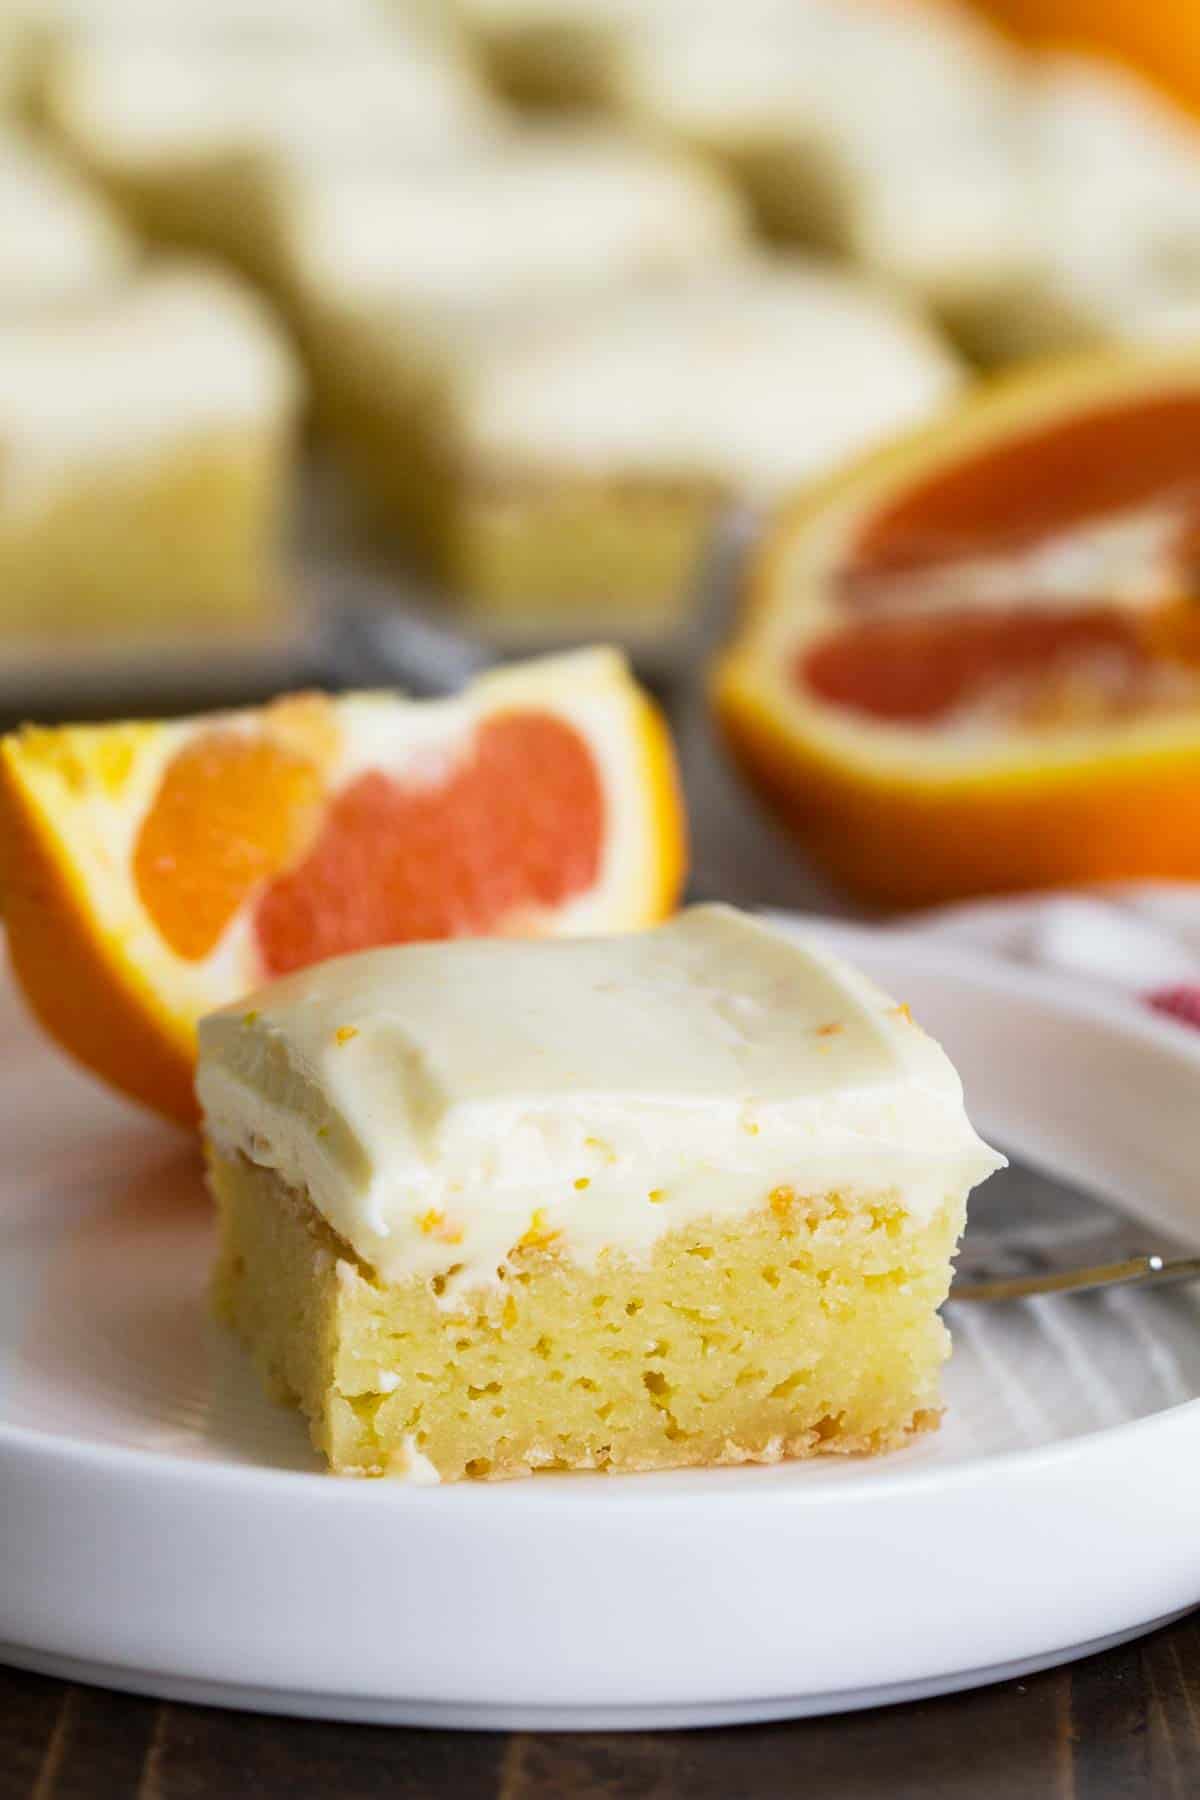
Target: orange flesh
1040	484
518	824
915	671
232	810
1043	664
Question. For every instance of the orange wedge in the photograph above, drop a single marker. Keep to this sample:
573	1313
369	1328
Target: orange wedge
971	663
152	872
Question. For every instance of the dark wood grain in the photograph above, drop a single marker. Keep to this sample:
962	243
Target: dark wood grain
60	1742
1122	1726
243	1756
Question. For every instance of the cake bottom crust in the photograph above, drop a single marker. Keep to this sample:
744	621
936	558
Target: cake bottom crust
808	1328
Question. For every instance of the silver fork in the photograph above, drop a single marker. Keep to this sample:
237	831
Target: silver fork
1144	1271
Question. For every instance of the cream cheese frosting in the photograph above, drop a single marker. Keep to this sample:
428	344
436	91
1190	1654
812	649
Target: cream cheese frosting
759	374
896	133
1119	194
126	105
546	212
440	1103
181	350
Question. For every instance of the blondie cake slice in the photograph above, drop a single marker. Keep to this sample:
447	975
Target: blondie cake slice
585	461
394	277
146	447
894	135
685	1196
1116	167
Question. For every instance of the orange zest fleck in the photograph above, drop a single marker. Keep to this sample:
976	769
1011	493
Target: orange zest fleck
344	1033
539	1232
435	1224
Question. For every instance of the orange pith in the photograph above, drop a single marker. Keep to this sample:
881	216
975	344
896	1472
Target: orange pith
393	862
153	872
231	811
990	693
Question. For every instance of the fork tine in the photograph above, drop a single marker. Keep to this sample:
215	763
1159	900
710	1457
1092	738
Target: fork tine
1154	1271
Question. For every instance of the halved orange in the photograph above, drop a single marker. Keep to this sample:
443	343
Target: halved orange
151	872
971	663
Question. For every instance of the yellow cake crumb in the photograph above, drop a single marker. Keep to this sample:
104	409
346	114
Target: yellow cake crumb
807	1329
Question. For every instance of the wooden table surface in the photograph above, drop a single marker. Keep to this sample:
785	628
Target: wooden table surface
1121	1726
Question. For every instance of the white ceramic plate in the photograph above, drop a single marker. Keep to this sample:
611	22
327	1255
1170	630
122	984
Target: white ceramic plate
164	1528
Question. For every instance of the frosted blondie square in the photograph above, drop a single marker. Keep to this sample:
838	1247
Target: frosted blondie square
1116	168
396	278
147	451
686	1196
897	136
585	463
